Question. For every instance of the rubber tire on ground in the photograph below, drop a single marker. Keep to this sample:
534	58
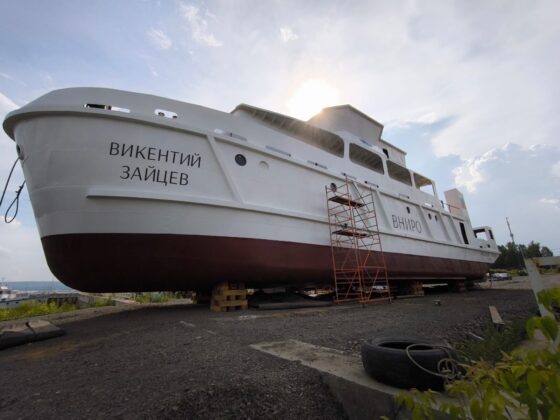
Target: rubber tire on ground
387	362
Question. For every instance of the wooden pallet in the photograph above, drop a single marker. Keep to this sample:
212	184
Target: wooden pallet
457	286
402	289
229	307
229	297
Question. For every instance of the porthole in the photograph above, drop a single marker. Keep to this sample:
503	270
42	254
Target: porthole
430	216
408	209
240	160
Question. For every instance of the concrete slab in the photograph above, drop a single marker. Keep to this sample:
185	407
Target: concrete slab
361	396
14	335
27	332
44	329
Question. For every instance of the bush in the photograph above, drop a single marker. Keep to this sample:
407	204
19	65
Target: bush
34	308
156	297
524	384
98	303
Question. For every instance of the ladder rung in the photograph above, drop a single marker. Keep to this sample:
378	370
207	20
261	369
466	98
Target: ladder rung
347	201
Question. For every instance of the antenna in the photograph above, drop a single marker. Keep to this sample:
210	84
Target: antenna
515	246
510	232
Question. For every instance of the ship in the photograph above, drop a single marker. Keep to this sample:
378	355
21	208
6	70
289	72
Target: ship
11	298
135	192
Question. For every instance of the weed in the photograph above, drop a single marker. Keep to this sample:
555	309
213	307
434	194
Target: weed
494	343
34	308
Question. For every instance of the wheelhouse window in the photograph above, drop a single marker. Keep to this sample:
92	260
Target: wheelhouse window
399	173
366	158
306	133
424	184
483	233
480	234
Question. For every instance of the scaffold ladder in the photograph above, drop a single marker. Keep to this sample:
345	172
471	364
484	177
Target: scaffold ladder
360	273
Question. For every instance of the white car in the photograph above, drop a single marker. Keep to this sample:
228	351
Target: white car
501	276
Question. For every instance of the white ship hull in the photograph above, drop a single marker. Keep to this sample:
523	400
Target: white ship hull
132	201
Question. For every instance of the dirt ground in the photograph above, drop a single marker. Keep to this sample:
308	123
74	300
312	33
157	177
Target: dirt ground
183	361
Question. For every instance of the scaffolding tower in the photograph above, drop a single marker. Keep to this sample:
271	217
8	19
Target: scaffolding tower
360	273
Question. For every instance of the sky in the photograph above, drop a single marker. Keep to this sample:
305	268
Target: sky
469	89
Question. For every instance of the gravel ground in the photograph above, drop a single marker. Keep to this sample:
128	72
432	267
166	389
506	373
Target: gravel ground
184	361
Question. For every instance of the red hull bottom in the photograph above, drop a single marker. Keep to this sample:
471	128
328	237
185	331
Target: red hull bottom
152	262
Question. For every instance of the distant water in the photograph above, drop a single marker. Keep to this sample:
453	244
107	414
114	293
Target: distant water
38	286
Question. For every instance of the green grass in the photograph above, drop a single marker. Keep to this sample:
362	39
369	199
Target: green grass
102	302
494	342
155	297
34	308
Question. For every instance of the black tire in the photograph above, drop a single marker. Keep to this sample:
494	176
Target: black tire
385	360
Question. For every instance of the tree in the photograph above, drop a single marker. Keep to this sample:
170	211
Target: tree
511	256
533	250
546	252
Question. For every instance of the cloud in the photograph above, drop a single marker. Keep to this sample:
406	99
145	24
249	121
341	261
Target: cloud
6	105
159	39
471	172
7	76
198	26
21	254
552	201
514	181
556	169
11	78
7	148
508	165
287	34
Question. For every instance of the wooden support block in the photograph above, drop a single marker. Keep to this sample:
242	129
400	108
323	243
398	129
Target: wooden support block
496	318
409	289
229	297
227	308
457	286
230	294
225	303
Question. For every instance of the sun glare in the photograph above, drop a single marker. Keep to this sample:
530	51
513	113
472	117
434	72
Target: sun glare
311	97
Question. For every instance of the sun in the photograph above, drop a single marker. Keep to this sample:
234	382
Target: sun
311	97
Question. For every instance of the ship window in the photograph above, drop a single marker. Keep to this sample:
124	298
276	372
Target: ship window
398	173
166	114
408	209
423	184
436	217
240	160
491	234
430	216
480	234
366	158
464	233
108	107
386	153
